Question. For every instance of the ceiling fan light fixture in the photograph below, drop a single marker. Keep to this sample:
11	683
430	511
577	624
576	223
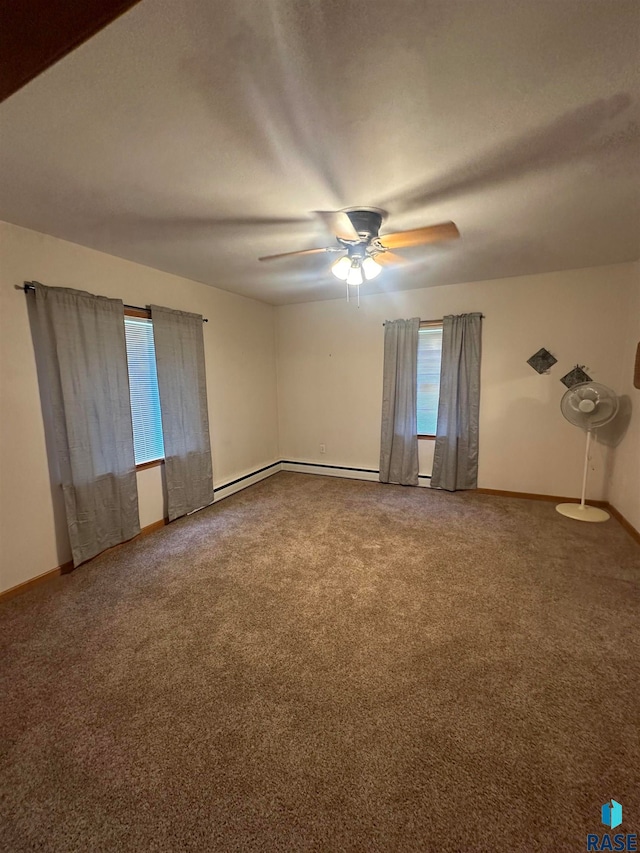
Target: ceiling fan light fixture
371	268
355	274
341	268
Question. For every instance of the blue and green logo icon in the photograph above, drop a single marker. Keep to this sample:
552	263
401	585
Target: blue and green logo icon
612	814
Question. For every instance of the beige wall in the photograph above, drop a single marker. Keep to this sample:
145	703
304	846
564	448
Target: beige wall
330	373
624	487
329	370
241	384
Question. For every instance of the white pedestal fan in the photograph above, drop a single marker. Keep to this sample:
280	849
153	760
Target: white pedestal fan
588	405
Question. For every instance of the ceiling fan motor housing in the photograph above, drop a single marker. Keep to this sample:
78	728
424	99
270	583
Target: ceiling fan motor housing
366	221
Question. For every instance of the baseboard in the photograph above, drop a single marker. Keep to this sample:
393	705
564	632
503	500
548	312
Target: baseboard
330	470
228	489
631	530
343	471
25	585
151	528
533	496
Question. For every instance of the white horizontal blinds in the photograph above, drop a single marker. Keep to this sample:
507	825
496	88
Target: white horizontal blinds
429	360
143	385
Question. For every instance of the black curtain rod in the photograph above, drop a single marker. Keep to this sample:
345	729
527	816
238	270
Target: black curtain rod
30	286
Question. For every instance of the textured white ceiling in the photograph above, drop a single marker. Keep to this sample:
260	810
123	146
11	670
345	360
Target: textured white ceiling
195	136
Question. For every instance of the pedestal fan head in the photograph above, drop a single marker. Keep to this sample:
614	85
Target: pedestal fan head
589	405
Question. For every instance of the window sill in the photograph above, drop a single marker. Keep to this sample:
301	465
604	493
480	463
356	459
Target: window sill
427	437
152	464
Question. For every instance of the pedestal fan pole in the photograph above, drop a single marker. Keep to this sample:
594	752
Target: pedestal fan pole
586	468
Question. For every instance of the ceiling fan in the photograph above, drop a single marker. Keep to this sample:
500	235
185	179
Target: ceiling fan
363	250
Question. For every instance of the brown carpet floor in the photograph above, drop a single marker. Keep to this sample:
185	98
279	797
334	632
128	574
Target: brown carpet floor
318	664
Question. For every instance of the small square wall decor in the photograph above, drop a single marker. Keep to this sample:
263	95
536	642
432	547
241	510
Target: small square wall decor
542	360
575	377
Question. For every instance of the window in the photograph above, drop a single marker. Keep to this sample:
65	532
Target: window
429	359
143	386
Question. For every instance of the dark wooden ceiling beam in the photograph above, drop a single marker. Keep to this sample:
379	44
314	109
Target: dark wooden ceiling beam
34	34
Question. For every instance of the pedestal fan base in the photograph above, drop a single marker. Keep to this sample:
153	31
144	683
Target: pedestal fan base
582	513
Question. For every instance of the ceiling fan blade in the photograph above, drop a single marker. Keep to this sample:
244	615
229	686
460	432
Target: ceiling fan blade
420	236
303	252
389	259
339	224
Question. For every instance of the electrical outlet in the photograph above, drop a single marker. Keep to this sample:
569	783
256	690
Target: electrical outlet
323	448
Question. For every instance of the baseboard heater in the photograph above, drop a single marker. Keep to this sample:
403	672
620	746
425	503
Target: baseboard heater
371	474
293	466
240	483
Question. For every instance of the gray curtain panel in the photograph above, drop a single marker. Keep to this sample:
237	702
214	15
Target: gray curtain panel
183	402
85	385
399	439
455	460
